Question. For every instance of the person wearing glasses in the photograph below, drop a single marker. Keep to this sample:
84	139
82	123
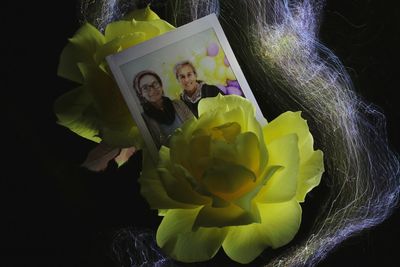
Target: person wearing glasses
161	114
193	90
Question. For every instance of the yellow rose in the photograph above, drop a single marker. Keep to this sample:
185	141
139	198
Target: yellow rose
96	109
226	181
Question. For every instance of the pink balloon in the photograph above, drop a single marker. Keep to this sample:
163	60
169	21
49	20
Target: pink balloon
226	62
212	50
230	90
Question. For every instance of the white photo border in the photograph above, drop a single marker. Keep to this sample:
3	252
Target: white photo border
115	62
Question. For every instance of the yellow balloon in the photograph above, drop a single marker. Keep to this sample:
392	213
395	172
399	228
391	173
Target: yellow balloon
220	73
207	64
229	74
220	56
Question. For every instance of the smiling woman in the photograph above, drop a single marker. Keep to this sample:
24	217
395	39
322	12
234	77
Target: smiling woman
161	114
193	89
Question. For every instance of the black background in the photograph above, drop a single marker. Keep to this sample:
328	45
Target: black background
58	214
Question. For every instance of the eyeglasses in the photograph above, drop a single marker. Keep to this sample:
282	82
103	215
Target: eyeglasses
154	85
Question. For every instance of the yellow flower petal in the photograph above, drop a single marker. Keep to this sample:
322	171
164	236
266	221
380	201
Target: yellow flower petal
279	224
144	14
180	189
282	185
245	243
153	190
280	221
75	110
67	67
115	120
289	123
122	136
176	184
246	201
176	237
227	131
248	151
236	115
162	25
215	111
121	28
223	151
209	121
189	129
157	197
224	104
210	216
80	49
310	174
228	109
118	44
227	180
106	95
311	162
178	153
199	148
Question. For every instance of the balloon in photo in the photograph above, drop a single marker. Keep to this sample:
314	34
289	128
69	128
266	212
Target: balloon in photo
230	90
212	49
226	62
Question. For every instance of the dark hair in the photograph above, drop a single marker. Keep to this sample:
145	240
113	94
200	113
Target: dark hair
136	83
180	65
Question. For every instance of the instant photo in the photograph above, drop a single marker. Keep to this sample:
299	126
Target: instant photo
163	79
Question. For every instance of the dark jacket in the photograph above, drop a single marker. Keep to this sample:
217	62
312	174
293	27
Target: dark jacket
206	91
159	138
